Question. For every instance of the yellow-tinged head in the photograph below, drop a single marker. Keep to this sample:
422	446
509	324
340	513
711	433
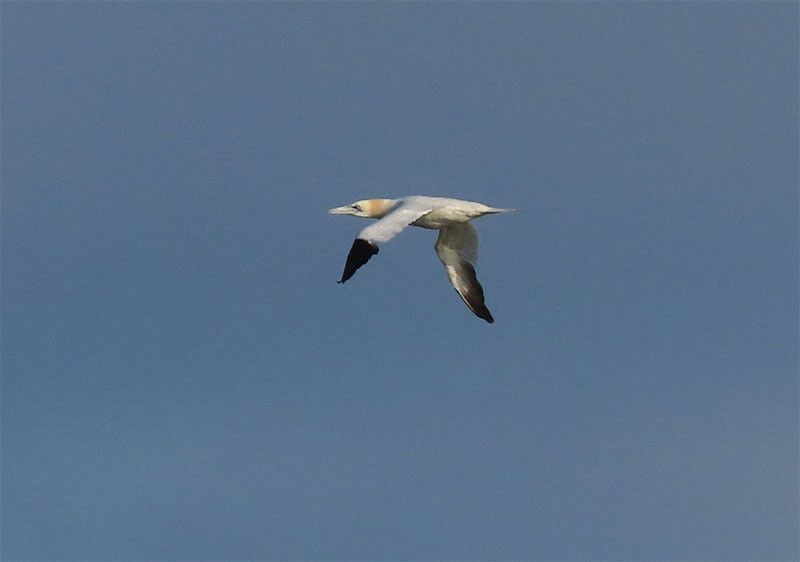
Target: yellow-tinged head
367	208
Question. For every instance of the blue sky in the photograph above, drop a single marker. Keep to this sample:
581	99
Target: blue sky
183	379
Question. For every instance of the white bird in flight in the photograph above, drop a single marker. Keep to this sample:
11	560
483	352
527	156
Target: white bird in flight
457	245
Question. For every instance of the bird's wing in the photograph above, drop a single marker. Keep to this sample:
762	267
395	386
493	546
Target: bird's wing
366	244
457	248
401	216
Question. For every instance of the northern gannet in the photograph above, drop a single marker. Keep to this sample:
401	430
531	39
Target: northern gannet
457	245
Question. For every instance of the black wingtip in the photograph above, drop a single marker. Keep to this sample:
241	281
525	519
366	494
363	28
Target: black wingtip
359	254
480	310
473	296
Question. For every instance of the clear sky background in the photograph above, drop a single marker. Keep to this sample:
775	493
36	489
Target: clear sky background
182	378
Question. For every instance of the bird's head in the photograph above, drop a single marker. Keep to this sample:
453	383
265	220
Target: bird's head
367	208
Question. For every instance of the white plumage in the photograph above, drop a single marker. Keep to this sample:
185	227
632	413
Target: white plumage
457	245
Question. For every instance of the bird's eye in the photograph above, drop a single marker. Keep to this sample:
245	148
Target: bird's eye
356	207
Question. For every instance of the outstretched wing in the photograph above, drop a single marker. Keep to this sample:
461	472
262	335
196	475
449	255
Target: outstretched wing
457	248
366	244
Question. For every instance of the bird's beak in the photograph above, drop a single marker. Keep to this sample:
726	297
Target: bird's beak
345	210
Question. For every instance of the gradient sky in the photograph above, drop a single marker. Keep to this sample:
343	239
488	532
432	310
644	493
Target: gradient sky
183	379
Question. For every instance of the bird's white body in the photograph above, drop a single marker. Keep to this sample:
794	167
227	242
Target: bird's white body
457	245
449	211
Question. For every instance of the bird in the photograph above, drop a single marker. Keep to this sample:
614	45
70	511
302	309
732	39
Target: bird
456	246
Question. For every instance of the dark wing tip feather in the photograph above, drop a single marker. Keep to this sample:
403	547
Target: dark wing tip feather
359	254
473	295
479	308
